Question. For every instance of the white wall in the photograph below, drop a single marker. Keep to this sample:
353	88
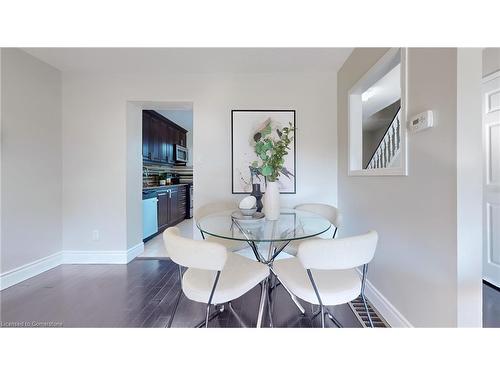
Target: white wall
491	60
96	142
416	264
469	188
134	174
31	160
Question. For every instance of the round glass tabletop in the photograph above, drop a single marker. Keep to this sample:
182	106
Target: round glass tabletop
291	225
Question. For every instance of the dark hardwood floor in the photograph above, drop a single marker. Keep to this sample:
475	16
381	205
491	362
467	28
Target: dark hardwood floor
491	306
140	294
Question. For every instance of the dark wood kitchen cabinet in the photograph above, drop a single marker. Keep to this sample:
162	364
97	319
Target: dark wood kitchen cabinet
163	210
171	206
146	136
159	135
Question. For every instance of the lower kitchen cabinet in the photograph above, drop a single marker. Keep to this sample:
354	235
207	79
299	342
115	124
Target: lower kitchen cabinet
171	206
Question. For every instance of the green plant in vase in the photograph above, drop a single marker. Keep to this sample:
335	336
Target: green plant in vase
272	147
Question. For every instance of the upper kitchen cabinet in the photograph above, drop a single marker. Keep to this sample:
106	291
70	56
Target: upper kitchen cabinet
159	135
146	135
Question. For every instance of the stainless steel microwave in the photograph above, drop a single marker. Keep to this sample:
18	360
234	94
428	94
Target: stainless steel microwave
180	154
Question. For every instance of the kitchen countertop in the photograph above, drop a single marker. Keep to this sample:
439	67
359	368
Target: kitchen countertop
162	187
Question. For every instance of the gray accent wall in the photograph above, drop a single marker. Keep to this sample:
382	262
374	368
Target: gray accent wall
31	169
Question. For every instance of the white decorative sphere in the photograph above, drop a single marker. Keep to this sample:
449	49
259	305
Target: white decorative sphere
248	203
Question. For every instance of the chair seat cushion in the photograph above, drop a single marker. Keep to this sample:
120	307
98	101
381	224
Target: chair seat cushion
335	287
239	275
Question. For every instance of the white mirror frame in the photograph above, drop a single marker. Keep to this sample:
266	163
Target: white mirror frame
355	120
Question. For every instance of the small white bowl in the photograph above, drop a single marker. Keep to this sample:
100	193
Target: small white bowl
248	211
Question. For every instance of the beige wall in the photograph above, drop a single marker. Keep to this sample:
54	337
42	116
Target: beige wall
99	190
31	159
415	216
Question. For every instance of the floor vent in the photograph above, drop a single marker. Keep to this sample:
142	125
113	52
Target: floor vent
358	308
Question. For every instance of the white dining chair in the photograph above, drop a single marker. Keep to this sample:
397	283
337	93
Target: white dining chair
214	276
331	213
324	271
215	207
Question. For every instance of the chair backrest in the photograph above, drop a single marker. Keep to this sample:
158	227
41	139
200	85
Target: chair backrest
338	254
213	207
191	253
329	212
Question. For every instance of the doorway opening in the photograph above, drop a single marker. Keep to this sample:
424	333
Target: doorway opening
164	135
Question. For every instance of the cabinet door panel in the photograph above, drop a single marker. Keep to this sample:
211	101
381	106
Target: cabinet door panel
163	142
174	206
183	139
146	134
163	210
155	143
182	203
170	143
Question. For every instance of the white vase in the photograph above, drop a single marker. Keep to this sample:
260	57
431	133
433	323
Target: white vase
272	201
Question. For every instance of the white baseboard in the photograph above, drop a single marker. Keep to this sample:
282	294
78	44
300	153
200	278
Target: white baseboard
135	251
391	315
35	268
29	270
102	257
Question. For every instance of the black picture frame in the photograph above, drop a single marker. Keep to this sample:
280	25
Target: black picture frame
294	146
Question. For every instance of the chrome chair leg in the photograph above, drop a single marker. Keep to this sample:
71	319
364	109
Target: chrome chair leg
320	302
270	308
263	286
210	298
333	319
207	315
363	285
292	296
315	314
367	311
238	318
216	313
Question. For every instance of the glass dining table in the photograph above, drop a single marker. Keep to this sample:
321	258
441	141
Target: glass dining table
266	238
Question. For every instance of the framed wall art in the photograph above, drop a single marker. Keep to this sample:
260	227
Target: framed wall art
254	137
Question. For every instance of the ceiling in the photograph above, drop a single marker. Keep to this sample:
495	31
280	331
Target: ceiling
382	93
194	60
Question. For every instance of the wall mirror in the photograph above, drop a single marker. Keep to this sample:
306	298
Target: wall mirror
377	118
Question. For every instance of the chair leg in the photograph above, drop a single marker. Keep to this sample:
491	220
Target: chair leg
367	311
363	285
315	314
216	313
333	319
292	296
263	286
316	291
207	315
238	318
210	298
270	308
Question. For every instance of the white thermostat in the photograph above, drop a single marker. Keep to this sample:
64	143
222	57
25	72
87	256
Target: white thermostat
421	121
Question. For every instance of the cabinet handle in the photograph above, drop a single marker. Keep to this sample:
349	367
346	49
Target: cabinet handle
162	194
170	193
